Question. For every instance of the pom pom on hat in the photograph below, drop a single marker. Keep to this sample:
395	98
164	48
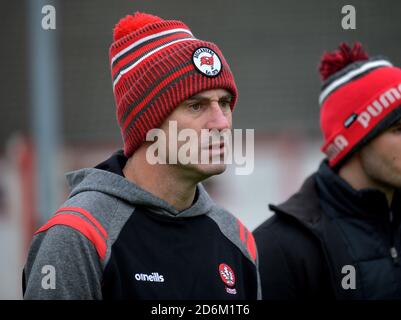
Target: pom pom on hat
132	23
331	62
154	69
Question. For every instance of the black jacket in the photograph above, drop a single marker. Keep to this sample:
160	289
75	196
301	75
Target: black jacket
325	226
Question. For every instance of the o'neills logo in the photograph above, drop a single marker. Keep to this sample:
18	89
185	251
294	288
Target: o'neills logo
207	61
333	149
153	277
379	105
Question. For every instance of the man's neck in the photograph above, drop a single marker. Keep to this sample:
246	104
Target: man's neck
353	173
162	180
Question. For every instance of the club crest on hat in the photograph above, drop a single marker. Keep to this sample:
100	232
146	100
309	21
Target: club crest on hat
207	61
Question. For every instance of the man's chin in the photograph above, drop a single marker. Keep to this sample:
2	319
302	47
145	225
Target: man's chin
208	170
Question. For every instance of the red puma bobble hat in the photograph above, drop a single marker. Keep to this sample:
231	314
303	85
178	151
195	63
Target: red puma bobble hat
360	98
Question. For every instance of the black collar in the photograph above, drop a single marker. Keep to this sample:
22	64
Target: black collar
326	185
115	163
337	193
303	205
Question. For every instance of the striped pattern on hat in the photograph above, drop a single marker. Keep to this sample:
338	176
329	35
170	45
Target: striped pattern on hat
153	71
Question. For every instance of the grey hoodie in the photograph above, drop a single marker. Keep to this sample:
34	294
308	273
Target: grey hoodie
108	225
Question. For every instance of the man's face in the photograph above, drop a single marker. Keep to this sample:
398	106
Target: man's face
381	158
207	111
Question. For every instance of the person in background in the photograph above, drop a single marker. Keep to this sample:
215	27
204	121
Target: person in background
339	237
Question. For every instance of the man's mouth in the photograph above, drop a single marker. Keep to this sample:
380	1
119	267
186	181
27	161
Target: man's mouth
216	146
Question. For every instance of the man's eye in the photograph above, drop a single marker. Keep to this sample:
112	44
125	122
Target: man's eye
195	107
225	104
396	128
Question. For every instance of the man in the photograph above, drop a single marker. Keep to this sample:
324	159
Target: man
138	229
339	237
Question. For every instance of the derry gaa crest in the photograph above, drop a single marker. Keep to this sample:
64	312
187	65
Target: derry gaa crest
227	274
207	62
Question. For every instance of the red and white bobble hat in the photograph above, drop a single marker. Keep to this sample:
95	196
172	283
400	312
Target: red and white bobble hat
360	98
156	64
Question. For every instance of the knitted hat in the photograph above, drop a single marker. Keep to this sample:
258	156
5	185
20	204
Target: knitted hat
156	64
360	98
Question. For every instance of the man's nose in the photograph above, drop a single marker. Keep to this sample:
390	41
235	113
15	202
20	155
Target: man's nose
218	119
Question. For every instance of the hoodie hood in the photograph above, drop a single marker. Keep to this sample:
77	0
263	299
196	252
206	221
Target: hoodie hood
107	178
